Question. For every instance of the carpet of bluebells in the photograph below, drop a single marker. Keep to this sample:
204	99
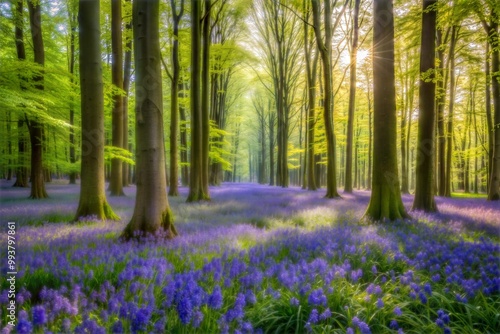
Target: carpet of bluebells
256	259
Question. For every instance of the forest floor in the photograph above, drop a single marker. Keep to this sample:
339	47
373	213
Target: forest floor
255	258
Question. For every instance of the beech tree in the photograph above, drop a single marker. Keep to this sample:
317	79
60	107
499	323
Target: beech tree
152	213
324	47
35	127
92	194
425	187
385	199
116	180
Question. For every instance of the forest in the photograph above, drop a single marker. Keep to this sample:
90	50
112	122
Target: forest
250	166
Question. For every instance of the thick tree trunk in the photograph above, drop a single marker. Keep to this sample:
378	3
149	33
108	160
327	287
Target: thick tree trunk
424	190
195	190
151	212
385	200
116	180
92	195
352	99
174	102
34	126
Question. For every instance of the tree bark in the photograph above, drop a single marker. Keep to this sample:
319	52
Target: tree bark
34	125
116	180
385	201
152	213
22	170
126	168
441	86
352	99
424	188
494	39
92	195
325	52
205	103
195	189
72	151
173	189
451	106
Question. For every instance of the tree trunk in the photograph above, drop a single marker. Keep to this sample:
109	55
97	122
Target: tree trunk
174	104
449	140
34	126
184	149
196	117
272	141
311	70
493	39
441	86
21	171
126	168
116	180
424	189
151	212
385	200
72	151
205	103
324	49
92	195
352	99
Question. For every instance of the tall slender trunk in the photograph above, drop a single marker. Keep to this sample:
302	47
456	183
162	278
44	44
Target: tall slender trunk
441	90
325	52
272	141
205	103
127	66
451	106
196	118
116	180
72	151
424	189
173	189
352	99
34	125
22	170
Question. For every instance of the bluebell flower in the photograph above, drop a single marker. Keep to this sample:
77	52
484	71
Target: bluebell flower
317	298
215	299
140	320
349	330
447	330
185	310
39	316
326	314
117	327
294	301
394	325
397	311
313	317
380	303
197	318
24	327
423	297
